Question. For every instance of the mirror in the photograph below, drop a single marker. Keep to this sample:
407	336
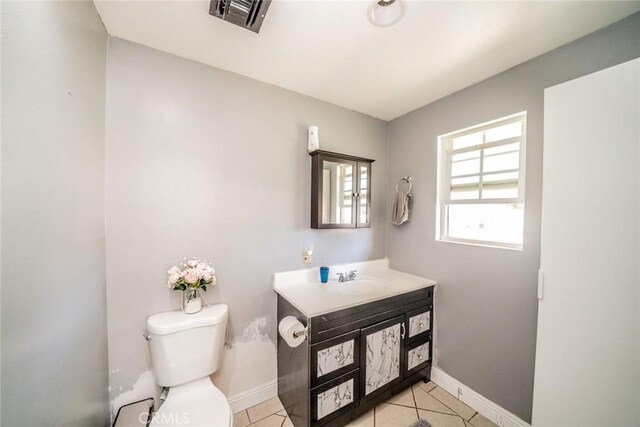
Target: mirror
337	192
340	190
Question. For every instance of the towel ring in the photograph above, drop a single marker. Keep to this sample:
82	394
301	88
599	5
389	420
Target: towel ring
406	179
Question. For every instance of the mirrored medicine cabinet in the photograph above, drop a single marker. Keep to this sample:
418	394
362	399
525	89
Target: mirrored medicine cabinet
340	190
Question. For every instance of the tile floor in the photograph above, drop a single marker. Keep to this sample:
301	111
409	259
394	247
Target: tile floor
422	401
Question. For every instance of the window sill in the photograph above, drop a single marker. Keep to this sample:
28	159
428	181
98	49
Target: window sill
483	244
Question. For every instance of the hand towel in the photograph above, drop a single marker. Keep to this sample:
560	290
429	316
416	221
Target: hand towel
401	211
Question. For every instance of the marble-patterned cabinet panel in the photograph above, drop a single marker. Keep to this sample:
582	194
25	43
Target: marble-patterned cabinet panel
335	398
383	347
417	356
419	323
335	357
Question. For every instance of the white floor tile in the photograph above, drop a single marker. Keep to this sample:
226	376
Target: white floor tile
395	416
437	419
425	401
241	419
460	408
404	398
270	421
480	420
264	409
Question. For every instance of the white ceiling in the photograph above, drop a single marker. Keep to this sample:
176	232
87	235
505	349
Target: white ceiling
329	50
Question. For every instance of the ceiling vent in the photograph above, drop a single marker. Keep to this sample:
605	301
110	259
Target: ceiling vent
247	14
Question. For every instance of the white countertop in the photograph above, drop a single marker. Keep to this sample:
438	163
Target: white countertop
303	289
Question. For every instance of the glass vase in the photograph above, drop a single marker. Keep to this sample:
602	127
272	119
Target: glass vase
191	301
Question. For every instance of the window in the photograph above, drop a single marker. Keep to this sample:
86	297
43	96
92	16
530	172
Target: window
481	184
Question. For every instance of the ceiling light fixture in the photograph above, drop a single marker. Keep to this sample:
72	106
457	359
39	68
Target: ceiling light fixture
384	13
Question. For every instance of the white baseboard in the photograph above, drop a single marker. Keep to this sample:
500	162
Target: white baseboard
254	396
492	411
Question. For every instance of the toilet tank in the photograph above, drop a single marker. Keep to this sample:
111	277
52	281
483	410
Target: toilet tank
186	347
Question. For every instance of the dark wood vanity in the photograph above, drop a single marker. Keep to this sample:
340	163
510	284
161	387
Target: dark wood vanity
354	358
340	190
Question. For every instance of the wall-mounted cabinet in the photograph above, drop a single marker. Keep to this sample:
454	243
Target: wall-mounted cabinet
340	190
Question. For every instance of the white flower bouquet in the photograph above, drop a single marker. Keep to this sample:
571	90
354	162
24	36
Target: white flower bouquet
193	274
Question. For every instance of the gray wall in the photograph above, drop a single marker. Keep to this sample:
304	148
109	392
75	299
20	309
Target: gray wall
54	340
486	303
202	162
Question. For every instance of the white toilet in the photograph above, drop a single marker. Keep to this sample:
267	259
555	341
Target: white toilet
185	349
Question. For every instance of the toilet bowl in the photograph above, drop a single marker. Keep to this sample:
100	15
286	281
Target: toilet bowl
198	403
185	350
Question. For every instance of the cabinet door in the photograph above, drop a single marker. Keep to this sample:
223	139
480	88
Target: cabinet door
381	356
334	189
363	195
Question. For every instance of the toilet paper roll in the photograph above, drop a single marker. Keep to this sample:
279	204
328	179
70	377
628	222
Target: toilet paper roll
287	327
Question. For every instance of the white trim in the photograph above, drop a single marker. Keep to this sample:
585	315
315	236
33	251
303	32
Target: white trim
492	411
252	397
484	202
485	145
483	243
483	126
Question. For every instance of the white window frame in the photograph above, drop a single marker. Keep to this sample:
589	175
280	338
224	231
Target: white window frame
445	154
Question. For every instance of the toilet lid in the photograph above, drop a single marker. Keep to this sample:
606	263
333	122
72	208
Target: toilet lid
204	406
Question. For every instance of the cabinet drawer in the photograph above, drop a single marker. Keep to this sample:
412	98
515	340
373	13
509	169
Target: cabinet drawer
334	357
417	356
334	398
418	323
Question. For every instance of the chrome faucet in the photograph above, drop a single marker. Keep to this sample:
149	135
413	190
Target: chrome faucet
342	277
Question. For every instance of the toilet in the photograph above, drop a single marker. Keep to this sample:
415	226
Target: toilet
185	349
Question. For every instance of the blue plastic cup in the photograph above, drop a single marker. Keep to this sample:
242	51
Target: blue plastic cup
324	274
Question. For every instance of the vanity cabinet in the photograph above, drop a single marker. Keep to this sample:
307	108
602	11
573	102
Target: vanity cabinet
340	190
354	358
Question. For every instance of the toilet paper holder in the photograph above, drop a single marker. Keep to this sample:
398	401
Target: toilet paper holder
293	331
303	333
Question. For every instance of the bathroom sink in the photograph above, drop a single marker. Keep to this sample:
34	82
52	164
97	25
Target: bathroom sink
362	286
